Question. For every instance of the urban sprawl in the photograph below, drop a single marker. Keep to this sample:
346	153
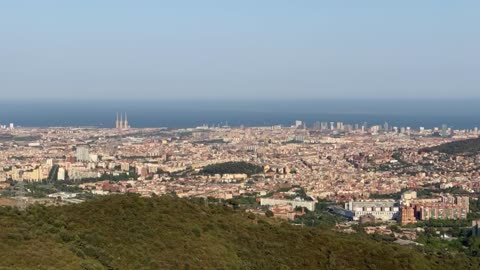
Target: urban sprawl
376	175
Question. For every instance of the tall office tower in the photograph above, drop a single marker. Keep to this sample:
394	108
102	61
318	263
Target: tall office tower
82	154
385	127
298	124
332	127
339	125
324	126
316	125
356	127
444	130
365	126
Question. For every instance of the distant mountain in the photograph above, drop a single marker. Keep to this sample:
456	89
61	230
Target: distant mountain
463	147
130	232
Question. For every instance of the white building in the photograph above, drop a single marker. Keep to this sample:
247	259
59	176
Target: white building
381	209
298	123
82	154
61	174
408	196
63	195
310	205
82	173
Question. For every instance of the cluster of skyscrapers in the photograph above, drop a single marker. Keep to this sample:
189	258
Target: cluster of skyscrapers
444	131
10	126
340	126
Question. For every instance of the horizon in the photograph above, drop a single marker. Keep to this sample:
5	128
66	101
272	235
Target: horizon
460	113
232	99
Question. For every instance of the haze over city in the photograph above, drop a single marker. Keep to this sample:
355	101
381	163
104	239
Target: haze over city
110	50
239	135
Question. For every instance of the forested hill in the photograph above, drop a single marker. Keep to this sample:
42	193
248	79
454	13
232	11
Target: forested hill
129	232
463	147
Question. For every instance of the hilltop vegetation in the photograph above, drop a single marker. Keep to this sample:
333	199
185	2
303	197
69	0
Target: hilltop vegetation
463	147
232	167
130	232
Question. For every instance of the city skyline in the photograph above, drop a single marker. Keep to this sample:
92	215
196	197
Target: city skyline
177	114
248	134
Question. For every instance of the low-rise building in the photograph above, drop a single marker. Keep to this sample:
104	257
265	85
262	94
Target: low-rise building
446	207
310	205
381	209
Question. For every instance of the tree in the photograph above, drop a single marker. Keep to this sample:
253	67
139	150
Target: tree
269	214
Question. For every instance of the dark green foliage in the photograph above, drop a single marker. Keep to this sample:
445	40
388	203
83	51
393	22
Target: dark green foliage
110	177
232	167
474	209
7	137
446	223
42	189
245	201
130	232
394	196
52	175
320	217
468	147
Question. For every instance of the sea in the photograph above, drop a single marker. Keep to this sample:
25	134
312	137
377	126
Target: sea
414	113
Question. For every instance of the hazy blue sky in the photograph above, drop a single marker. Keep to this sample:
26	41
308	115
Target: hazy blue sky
229	49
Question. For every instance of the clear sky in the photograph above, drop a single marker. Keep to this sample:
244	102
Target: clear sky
249	49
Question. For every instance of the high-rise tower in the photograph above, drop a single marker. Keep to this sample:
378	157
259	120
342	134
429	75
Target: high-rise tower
444	130
125	125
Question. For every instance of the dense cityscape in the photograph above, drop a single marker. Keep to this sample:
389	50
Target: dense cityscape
243	135
393	179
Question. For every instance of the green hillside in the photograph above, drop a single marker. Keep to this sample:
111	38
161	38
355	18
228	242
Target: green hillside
129	232
462	147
